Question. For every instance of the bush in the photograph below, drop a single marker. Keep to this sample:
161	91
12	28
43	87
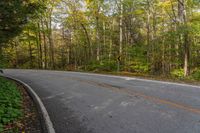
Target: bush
178	73
196	74
139	67
10	102
105	66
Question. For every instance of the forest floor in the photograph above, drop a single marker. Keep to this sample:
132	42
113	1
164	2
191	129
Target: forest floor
17	119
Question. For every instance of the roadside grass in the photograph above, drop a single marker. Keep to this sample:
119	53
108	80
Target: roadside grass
10	103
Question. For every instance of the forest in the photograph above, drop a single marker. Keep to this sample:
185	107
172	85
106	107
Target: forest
153	37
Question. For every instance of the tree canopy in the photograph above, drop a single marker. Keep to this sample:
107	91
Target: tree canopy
14	14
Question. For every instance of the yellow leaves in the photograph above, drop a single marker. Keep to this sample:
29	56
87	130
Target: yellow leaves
78	16
165	4
138	12
88	1
81	16
196	17
33	1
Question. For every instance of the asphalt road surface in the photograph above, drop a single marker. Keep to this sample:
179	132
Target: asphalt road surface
92	103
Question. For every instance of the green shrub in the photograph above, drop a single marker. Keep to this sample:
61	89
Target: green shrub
139	67
178	73
105	66
10	102
196	74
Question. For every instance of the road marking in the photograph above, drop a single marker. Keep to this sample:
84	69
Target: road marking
136	79
132	92
119	77
143	95
53	96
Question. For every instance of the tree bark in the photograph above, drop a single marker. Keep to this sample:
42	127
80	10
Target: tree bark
121	29
183	23
45	45
40	45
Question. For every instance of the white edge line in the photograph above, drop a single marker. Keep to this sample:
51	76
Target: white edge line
45	114
138	79
124	77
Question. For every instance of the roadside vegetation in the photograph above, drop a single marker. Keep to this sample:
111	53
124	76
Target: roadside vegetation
10	104
17	110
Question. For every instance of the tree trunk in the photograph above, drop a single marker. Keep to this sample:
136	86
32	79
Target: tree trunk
183	23
30	56
51	45
40	45
97	39
88	40
121	29
111	41
45	45
148	27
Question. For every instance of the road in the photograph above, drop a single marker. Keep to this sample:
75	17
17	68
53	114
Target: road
92	103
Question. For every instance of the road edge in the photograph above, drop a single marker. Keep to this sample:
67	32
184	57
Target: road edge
45	116
129	78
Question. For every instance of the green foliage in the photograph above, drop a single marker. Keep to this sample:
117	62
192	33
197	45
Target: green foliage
178	73
75	36
10	102
196	74
139	67
106	66
14	15
3	61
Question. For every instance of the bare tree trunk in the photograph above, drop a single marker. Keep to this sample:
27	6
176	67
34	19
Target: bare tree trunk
40	45
30	55
183	22
97	32
186	55
51	45
121	29
30	52
45	46
38	52
120	36
148	26
111	42
16	63
97	39
88	40
104	38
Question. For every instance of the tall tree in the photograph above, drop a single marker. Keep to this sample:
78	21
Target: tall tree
182	16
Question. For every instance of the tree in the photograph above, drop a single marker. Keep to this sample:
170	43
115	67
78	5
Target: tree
13	17
158	37
182	17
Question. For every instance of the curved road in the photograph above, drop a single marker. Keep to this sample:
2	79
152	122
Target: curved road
92	103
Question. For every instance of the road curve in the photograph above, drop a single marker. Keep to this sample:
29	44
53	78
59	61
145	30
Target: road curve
92	103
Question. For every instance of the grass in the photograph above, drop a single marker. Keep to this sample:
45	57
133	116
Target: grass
10	103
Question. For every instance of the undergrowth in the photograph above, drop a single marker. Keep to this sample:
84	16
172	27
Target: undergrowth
10	103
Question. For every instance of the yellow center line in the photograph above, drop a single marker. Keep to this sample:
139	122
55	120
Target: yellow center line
140	94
